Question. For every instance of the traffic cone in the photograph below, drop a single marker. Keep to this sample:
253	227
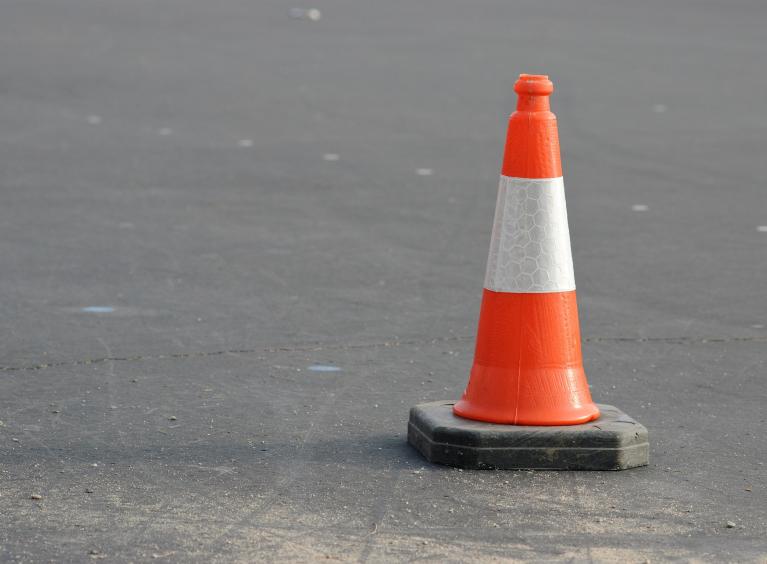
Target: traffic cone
527	367
527	404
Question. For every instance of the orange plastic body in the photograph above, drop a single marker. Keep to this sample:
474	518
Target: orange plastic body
528	367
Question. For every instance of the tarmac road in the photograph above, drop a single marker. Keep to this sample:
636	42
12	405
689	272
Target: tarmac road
242	195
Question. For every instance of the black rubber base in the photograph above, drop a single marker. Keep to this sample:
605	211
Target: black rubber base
613	442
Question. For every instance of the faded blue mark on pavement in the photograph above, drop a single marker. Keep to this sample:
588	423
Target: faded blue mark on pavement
323	368
98	309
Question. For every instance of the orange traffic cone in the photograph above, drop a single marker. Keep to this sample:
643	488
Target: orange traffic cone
527	404
527	364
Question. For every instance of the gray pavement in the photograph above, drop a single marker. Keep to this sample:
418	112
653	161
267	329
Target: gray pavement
168	161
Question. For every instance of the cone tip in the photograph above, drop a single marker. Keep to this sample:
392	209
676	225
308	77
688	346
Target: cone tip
534	84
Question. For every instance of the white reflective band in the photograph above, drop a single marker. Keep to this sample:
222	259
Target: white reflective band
530	247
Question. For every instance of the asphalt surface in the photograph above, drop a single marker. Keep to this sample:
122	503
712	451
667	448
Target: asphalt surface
174	164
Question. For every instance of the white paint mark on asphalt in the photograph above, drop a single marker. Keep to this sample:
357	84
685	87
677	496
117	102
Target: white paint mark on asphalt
330	157
312	14
323	368
245	142
640	207
165	131
424	172
98	309
94	120
758	326
761	228
659	108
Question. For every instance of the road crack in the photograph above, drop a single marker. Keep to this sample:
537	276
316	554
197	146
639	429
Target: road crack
317	347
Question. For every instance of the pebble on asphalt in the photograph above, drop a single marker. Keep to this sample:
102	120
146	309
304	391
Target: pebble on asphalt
36	497
730	525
